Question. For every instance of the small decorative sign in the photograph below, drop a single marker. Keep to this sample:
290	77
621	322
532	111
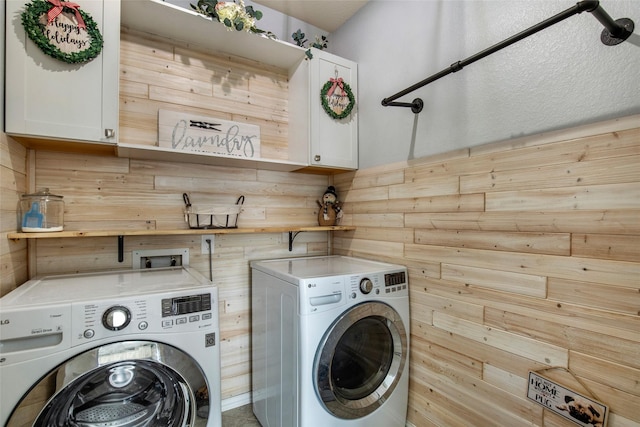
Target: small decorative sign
188	132
62	30
337	98
573	406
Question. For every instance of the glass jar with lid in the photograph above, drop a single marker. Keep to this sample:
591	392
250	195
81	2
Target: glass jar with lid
41	212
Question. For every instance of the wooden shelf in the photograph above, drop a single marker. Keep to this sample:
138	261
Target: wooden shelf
149	152
113	233
120	234
177	23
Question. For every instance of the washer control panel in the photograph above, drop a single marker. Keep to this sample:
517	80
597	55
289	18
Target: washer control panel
186	304
168	312
186	309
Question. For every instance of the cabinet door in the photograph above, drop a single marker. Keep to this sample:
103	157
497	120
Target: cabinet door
48	98
334	143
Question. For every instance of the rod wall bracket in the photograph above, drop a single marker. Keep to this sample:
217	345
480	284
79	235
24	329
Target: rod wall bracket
610	38
416	105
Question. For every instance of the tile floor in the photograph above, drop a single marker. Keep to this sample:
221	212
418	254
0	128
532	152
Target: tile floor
240	417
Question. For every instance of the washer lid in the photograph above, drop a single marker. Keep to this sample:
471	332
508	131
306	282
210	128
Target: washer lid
323	266
100	285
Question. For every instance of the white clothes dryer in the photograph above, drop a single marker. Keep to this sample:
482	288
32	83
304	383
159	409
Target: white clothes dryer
118	348
330	342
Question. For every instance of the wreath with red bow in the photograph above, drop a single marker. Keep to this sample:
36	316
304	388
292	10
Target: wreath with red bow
45	27
337	98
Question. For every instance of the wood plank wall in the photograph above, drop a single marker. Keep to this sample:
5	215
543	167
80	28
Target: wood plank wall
522	255
103	192
158	74
13	183
114	193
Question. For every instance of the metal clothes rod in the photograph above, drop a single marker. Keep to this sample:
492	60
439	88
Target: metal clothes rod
615	32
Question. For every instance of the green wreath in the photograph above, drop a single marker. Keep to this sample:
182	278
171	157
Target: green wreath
327	107
36	32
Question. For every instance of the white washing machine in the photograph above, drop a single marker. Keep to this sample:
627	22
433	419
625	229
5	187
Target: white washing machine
124	348
330	342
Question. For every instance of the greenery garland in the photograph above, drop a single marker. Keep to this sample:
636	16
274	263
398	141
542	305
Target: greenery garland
36	32
325	103
234	16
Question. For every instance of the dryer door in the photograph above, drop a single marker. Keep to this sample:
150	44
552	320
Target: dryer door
130	383
360	360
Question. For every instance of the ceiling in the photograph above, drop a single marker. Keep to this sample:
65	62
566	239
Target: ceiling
327	15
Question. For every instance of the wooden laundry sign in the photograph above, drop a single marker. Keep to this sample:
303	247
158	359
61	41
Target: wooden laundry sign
189	132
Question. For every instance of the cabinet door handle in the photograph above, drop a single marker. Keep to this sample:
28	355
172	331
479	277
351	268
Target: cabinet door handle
109	133
316	158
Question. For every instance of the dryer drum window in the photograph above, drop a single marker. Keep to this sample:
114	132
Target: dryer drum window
360	360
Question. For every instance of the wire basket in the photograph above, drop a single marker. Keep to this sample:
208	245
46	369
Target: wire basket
212	216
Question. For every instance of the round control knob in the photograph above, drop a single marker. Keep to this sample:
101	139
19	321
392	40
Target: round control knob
116	318
366	285
89	333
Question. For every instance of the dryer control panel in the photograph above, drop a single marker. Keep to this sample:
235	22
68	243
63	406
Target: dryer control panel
375	285
395	282
325	293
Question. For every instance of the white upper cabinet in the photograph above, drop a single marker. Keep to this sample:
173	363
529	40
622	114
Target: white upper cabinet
51	99
322	139
315	138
